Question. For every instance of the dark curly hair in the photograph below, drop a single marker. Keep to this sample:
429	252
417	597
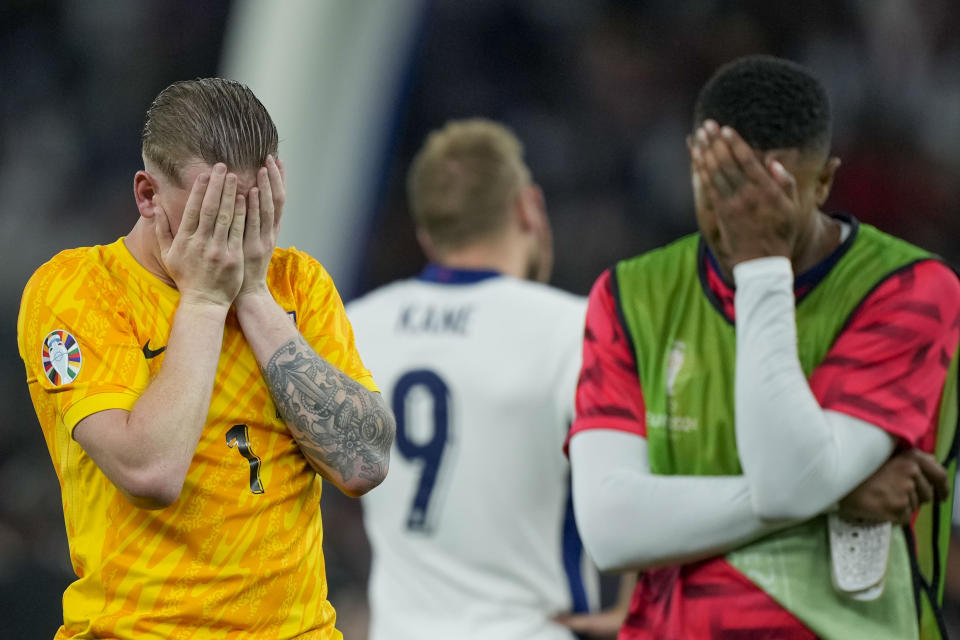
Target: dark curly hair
772	103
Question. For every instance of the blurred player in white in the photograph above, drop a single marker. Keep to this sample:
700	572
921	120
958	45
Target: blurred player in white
472	532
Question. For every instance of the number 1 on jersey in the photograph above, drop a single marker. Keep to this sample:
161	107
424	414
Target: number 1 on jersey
239	437
429	453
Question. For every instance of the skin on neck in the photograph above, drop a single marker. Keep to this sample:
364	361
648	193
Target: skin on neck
505	253
816	240
818	234
142	245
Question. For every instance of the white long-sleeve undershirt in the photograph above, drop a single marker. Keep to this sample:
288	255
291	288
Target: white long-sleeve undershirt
797	458
630	518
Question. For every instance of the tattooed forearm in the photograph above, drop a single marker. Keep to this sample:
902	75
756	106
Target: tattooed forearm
337	422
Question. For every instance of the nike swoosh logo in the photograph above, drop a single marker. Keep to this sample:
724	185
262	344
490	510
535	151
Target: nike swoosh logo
150	353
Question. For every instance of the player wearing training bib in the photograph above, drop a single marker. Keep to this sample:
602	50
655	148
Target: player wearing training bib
472	532
188	459
735	403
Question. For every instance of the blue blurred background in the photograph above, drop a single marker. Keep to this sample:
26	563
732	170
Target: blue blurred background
600	91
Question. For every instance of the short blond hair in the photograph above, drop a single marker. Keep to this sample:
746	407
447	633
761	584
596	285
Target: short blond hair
213	119
463	180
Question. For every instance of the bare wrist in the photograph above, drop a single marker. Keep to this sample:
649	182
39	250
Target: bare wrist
253	292
204	306
254	300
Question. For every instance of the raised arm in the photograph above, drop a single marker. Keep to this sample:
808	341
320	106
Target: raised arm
146	452
343	429
798	457
630	518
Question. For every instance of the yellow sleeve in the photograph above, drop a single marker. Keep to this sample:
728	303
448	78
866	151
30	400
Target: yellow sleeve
323	321
77	343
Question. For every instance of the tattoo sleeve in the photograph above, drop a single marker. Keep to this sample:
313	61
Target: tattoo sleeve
336	420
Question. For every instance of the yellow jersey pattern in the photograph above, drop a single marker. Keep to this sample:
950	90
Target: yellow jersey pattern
239	554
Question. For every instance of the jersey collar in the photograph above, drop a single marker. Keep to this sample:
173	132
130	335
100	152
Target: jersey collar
440	274
140	274
721	293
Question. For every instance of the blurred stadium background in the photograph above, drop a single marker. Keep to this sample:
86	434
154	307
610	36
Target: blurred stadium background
600	91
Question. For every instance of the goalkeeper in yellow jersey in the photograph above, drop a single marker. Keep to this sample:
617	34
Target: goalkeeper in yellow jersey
194	383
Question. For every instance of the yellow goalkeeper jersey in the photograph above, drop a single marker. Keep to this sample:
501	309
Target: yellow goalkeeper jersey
238	555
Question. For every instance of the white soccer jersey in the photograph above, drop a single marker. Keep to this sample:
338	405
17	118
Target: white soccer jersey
472	531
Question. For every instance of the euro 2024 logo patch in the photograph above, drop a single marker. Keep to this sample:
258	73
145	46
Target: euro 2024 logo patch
61	357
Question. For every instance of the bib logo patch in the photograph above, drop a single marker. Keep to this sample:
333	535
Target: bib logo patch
675	377
674	365
61	357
